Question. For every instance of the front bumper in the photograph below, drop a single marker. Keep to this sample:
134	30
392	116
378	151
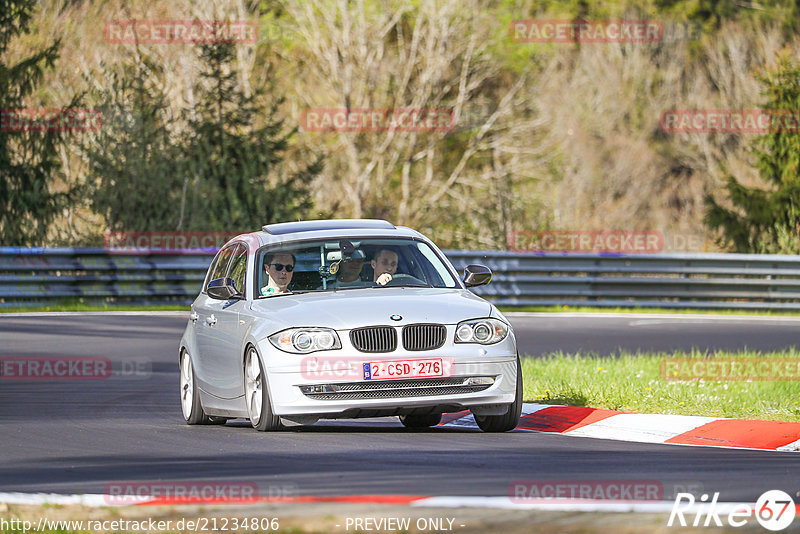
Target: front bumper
291	379
292	392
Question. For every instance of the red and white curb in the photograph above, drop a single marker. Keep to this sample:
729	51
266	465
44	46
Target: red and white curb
95	499
649	428
496	502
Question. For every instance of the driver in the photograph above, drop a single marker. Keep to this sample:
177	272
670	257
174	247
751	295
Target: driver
384	265
279	267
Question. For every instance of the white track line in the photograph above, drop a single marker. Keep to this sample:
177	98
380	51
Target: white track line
497	502
89	499
171	313
570	505
671	316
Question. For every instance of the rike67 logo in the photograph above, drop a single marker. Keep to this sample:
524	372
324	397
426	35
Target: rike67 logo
774	510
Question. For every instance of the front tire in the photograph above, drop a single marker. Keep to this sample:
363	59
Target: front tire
259	408
509	420
192	410
421	421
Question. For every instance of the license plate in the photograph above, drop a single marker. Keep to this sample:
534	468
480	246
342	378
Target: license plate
403	369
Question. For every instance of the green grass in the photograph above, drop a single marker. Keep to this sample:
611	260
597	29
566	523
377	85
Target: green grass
632	382
589	309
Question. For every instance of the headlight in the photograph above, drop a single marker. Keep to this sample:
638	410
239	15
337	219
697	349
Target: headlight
483	331
305	340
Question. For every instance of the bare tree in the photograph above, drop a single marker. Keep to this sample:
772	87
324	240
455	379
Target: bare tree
396	55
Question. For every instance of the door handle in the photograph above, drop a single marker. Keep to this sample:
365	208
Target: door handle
193	316
211	320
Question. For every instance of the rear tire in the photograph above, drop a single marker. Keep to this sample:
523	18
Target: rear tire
259	408
192	410
421	421
509	420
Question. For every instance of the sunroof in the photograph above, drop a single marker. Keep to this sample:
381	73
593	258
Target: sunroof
328	224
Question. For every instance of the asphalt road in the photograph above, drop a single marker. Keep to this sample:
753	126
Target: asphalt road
80	436
540	334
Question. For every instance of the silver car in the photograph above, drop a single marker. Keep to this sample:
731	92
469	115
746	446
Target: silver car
345	319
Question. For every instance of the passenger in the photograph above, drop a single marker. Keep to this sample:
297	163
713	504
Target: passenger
279	267
349	273
384	265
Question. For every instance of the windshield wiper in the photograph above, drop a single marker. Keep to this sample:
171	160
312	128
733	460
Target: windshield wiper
261	297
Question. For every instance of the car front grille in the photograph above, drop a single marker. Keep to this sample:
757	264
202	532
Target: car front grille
423	336
416	337
395	388
374	339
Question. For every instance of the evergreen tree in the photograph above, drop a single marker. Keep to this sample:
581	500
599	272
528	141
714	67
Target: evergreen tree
768	220
134	165
234	155
29	162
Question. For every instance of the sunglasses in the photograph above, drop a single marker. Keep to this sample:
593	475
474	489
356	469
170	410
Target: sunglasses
279	267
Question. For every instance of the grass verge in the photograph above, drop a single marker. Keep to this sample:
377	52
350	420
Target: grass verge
633	382
324	518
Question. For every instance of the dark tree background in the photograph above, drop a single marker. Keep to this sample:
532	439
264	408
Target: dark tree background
29	161
134	164
234	155
213	167
768	220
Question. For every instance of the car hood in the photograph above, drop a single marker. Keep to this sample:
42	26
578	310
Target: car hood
353	308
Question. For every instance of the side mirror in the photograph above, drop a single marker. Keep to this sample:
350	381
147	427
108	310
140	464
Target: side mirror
477	275
222	289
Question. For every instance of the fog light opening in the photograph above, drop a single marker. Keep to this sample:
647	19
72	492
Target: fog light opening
480	381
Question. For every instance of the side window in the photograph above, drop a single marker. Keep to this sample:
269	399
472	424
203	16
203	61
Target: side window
211	269
239	268
220	266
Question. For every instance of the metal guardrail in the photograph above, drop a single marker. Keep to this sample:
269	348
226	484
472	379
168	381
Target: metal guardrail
41	276
733	281
723	281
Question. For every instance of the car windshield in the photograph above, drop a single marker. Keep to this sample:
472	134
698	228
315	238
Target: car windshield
333	265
